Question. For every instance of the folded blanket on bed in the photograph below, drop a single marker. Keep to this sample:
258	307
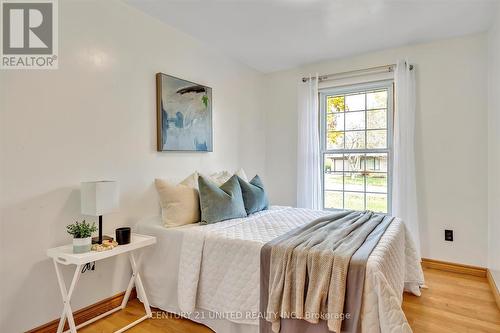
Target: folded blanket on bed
308	267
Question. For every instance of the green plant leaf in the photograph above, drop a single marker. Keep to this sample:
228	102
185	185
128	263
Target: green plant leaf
204	100
81	229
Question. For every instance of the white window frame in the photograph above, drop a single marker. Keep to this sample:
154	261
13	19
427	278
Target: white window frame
352	89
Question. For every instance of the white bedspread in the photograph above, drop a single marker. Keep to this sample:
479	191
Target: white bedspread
219	268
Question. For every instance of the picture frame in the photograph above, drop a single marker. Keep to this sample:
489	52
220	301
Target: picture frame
184	115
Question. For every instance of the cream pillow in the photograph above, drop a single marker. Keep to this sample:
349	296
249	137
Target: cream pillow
180	204
191	180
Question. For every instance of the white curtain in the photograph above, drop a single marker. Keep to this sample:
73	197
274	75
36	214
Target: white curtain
308	156
404	190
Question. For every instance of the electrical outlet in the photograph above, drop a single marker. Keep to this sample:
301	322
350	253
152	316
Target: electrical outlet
448	235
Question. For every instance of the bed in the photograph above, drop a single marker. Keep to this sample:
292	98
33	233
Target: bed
210	273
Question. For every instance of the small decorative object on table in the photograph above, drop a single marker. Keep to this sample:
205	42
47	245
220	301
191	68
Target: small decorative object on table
82	235
106	245
123	235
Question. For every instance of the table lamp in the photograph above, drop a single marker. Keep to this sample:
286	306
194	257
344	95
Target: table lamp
99	198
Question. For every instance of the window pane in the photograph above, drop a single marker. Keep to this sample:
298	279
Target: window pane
355	201
335	121
354	162
334	199
334	162
335	103
376	162
335	140
354	182
355	121
376	100
355	140
376	182
376	119
376	202
376	139
355	102
334	181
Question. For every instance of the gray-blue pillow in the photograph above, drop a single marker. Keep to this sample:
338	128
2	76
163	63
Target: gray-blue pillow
254	195
220	203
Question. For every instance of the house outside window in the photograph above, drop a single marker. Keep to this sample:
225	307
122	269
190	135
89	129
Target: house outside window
356	146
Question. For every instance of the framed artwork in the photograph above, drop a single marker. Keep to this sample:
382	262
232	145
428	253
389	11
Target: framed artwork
184	115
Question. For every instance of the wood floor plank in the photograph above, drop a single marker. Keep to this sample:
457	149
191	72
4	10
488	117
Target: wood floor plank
452	303
478	309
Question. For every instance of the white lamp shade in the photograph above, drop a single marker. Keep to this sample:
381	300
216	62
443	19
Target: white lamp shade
99	198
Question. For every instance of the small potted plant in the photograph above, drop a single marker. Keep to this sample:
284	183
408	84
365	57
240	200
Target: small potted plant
82	235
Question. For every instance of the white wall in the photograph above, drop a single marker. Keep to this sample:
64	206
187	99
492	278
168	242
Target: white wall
94	118
451	139
494	148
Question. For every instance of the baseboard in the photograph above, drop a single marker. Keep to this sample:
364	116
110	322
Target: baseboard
454	268
494	288
86	313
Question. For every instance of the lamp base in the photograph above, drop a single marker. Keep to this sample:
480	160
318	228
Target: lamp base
95	240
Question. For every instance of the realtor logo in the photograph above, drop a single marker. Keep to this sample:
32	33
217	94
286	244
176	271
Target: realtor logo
29	34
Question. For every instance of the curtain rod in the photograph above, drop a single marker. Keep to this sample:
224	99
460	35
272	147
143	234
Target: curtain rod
357	72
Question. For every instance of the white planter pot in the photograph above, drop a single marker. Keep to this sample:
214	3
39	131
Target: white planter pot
82	245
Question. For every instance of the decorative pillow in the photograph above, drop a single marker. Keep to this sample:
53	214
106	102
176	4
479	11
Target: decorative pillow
180	204
220	203
223	176
254	195
218	178
241	173
191	180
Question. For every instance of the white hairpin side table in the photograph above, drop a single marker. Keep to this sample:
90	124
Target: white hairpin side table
64	255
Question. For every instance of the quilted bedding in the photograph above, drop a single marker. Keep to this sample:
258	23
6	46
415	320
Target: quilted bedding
219	269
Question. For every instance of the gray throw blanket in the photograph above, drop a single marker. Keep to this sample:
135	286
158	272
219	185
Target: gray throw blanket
304	272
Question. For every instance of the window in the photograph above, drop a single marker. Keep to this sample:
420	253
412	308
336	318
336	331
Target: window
356	146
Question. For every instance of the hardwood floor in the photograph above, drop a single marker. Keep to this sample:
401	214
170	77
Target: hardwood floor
452	303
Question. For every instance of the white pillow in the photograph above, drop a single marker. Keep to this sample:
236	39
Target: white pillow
218	178
241	173
180	204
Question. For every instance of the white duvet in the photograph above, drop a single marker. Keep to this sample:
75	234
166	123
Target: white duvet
219	268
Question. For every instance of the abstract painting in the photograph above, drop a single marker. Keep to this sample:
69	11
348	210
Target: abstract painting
184	115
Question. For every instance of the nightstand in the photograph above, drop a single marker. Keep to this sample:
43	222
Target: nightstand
64	255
